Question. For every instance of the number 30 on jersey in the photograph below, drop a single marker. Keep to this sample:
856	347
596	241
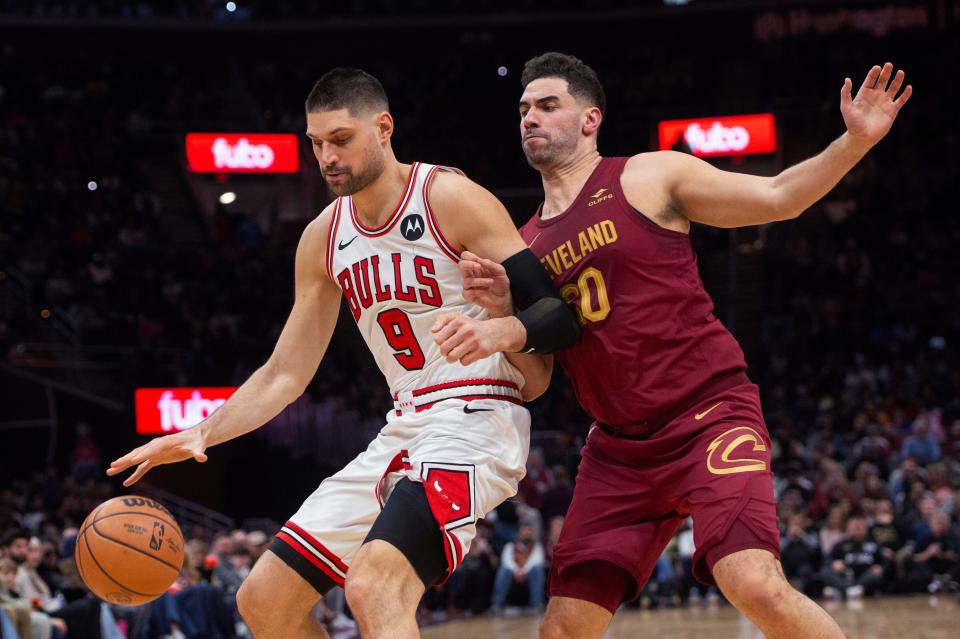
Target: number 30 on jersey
588	296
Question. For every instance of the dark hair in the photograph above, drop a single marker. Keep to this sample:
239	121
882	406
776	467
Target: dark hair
351	89
12	535
582	81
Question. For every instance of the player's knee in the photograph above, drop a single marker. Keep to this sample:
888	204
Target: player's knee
559	623
755	585
362	590
554	627
254	602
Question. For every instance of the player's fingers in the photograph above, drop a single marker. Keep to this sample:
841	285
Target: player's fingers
469	255
442	320
470	357
846	90
135	456
137	474
451	342
477	282
460	350
494	268
871	79
885	74
445	333
896	84
469	268
904	96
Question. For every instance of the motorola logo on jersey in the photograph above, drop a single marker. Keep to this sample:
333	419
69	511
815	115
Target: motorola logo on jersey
412	227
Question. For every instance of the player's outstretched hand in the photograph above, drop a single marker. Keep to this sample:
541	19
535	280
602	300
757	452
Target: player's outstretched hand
870	114
168	449
466	340
485	283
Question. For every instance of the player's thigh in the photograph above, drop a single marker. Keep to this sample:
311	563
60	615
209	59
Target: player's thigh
405	545
730	494
616	517
568	617
322	538
274	590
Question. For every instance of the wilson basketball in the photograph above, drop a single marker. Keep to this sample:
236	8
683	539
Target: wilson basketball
129	550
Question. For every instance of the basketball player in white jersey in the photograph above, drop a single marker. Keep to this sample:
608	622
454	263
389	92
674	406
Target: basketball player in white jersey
399	517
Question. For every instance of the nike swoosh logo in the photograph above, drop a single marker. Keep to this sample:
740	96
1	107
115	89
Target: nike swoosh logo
700	416
342	246
470	411
534	239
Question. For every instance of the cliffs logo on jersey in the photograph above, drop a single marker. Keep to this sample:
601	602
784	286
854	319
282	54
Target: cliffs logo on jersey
363	283
412	227
600	196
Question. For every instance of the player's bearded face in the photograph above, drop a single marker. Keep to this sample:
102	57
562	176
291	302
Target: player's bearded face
545	148
549	122
346	178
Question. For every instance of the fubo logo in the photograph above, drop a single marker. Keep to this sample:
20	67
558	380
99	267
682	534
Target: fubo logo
168	410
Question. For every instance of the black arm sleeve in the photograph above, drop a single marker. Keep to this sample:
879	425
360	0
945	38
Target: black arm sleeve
551	325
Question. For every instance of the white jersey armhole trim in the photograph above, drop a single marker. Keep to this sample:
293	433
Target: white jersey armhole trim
435	231
331	238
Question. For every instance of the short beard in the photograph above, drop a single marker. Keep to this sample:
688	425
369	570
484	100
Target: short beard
354	183
554	152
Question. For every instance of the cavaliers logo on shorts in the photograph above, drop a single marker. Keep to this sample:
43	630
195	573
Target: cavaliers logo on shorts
733	452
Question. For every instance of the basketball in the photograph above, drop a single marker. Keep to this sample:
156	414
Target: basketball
129	550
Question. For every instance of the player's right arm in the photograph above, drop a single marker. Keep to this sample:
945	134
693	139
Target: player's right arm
280	381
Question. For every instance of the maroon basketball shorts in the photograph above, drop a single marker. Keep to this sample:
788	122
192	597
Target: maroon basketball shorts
711	463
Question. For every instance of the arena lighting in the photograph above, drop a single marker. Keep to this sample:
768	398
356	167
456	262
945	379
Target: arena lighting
228	198
728	135
242	152
168	410
231	6
91	185
502	72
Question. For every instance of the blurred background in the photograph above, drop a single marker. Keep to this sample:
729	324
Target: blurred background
137	254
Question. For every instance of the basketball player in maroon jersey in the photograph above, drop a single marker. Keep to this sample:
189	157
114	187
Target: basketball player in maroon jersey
679	429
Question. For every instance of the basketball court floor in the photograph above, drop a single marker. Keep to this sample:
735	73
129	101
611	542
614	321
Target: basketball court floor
890	618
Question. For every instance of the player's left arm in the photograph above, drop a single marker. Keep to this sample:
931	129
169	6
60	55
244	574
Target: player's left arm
704	194
472	219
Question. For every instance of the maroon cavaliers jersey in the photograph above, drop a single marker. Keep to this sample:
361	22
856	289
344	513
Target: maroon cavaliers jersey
651	345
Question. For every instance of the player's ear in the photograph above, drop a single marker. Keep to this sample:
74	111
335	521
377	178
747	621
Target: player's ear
592	119
383	122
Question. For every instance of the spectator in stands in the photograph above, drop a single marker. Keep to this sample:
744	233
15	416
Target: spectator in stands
29	584
922	445
557	499
476	575
935	564
800	552
14	545
834	529
258	541
855	564
31	623
537	481
521	568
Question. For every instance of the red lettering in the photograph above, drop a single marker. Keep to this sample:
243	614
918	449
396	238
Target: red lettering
361	278
406	294
425	270
383	293
347	287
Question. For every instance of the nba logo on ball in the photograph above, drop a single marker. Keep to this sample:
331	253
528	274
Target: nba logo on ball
412	227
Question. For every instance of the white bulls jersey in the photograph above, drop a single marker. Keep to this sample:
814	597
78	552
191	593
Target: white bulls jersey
397	279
